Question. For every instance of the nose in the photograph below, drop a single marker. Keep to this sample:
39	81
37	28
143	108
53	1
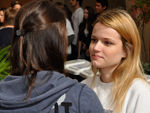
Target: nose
97	46
95	7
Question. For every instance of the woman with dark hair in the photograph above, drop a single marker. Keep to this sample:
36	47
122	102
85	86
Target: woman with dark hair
37	83
2	14
85	31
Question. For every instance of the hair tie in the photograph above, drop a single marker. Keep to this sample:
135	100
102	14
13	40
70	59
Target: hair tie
20	32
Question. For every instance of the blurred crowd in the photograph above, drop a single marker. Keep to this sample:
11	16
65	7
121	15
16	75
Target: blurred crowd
78	25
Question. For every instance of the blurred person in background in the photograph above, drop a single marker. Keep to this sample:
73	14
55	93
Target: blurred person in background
7	31
76	18
16	5
85	31
101	5
2	13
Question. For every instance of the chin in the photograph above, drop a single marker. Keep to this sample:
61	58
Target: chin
94	63
98	64
97	12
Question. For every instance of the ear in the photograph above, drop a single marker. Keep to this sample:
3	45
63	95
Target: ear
104	8
124	54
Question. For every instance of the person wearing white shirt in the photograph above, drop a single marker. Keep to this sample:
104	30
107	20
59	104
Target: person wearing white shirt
115	49
77	18
70	34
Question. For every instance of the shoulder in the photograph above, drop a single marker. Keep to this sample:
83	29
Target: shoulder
138	97
139	86
89	101
139	90
81	11
88	94
6	30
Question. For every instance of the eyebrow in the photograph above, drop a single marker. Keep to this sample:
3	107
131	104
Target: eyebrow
103	38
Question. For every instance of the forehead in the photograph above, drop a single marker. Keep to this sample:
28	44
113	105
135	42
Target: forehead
85	10
1	12
73	0
17	5
98	4
100	30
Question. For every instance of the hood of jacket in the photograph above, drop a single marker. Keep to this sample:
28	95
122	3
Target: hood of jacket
48	87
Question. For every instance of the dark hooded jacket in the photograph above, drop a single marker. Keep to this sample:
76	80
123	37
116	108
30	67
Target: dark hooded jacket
52	93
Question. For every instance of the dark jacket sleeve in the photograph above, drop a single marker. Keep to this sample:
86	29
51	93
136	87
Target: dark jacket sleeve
89	38
70	39
89	102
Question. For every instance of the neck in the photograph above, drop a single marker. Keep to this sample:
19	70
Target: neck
106	74
9	26
76	7
106	77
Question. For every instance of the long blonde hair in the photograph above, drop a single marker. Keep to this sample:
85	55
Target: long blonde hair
129	67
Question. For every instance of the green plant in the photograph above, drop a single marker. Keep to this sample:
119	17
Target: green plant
146	67
4	62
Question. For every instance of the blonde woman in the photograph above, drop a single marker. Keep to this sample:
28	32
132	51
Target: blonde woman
115	52
37	83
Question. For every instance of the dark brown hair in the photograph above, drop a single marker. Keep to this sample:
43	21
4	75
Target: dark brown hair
80	2
103	3
9	17
66	10
15	2
43	43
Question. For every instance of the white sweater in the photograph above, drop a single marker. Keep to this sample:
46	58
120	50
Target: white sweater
137	99
77	18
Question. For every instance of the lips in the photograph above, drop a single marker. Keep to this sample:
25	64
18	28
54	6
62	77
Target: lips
97	11
96	56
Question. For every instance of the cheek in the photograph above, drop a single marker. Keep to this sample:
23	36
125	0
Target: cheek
99	8
85	16
113	54
91	49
